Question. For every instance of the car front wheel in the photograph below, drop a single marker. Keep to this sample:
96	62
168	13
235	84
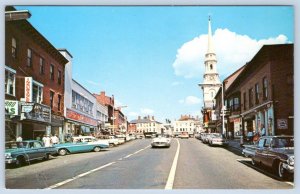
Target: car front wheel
62	152
97	149
20	162
279	170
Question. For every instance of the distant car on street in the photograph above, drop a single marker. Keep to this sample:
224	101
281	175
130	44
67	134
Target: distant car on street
161	140
218	139
19	153
277	153
184	135
81	144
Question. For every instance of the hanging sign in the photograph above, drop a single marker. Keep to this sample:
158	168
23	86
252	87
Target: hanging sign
28	89
11	107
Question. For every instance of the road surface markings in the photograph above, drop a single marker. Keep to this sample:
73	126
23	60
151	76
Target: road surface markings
171	177
79	176
91	171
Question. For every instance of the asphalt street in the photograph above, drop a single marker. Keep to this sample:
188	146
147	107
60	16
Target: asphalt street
135	165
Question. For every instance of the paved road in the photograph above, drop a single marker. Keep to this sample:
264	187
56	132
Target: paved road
135	165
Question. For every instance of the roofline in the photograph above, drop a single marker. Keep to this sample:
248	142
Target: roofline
64	49
83	87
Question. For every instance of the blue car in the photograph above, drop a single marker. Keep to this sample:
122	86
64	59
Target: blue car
77	147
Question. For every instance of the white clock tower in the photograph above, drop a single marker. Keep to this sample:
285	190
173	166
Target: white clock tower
211	82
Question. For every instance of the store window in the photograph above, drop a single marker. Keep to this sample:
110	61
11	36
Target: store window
13	48
42	66
10	78
29	57
37	92
51	99
265	88
52	72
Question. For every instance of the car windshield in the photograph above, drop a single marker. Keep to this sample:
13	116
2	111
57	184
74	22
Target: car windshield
282	142
13	145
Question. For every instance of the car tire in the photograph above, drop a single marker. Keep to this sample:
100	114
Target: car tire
62	152
20	161
253	161
279	170
46	157
97	149
111	145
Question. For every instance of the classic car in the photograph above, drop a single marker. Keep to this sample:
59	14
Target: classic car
81	144
217	139
19	153
276	152
113	141
249	150
161	141
184	135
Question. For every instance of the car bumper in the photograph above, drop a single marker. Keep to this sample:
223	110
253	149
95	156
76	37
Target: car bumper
160	144
289	168
10	161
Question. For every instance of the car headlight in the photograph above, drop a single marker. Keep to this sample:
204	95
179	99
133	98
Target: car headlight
7	155
291	160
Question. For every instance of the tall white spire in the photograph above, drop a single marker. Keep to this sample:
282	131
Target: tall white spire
210	48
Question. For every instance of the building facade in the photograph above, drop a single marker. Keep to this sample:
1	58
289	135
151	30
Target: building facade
185	123
34	84
148	126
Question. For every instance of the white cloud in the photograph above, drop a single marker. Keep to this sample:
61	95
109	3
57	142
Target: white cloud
232	50
147	111
176	83
190	100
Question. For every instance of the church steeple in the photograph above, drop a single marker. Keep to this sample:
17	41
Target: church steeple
210	47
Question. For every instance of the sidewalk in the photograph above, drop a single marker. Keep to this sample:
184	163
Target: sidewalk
235	144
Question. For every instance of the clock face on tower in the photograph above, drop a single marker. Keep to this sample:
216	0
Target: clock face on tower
211	78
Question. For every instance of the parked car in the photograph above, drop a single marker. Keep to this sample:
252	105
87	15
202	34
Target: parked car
121	138
79	145
276	152
161	141
218	139
113	141
19	153
184	135
202	136
208	137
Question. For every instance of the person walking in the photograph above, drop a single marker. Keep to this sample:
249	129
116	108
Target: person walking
54	139
263	130
47	141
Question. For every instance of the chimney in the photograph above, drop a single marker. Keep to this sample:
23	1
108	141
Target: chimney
139	117
102	93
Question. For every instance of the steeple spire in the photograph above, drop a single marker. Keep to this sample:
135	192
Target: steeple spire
210	48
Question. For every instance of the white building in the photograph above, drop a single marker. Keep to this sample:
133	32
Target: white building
148	125
80	105
186	123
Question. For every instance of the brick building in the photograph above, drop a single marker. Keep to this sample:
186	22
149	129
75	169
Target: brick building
264	92
34	82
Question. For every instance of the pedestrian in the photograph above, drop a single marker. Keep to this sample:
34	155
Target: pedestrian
47	141
263	130
19	138
54	139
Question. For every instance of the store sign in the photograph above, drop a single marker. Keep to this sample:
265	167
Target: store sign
282	123
28	89
36	112
11	107
81	118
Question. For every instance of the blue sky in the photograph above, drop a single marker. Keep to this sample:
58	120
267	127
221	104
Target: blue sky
151	57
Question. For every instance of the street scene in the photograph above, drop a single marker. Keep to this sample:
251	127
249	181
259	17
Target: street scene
114	97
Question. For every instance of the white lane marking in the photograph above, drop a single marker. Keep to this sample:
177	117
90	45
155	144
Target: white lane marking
79	176
128	155
170	181
91	171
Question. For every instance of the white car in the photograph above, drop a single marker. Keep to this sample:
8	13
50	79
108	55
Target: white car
90	140
112	140
161	141
121	138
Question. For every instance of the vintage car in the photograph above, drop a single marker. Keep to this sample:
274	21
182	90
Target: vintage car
276	152
218	139
19	153
161	141
184	135
81	144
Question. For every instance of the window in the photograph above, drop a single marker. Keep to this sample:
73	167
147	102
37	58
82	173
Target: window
10	77
13	48
52	72
265	88
42	66
81	103
58	102
236	104
29	57
256	93
51	99
37	93
250	97
59	77
245	100
211	66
